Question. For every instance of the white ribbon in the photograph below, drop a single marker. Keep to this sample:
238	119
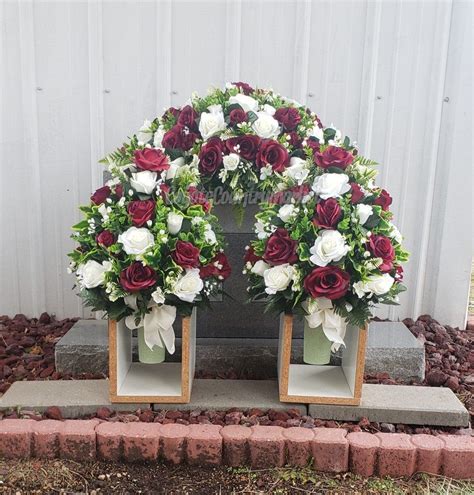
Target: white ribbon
321	314
157	326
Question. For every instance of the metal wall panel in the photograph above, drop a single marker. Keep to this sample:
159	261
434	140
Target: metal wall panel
78	77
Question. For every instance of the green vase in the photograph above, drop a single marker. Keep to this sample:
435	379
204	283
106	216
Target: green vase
316	346
147	355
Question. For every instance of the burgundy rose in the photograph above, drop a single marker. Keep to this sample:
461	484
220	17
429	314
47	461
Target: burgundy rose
151	159
101	195
384	200
295	140
250	256
137	277
198	197
381	247
327	281
105	238
179	137
328	214
280	248
237	115
186	254
174	112
188	139
246	88
247	146
188	117
274	154
141	211
218	267
333	156
210	156
288	117
356	193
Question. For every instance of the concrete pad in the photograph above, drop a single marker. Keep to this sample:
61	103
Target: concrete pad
220	395
430	406
73	397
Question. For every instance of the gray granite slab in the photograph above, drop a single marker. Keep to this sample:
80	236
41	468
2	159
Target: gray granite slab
412	405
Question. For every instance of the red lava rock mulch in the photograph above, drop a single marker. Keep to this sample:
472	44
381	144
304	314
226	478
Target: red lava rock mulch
261	447
27	349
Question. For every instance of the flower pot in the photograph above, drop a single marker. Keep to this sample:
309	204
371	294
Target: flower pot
147	355
316	346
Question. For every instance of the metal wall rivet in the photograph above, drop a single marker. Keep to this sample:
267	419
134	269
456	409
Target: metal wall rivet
174	92
38	88
379	97
310	95
106	90
446	99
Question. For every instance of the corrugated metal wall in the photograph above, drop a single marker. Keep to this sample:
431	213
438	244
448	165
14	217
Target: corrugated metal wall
78	77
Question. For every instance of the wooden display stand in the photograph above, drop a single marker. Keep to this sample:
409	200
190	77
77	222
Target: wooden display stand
308	383
139	382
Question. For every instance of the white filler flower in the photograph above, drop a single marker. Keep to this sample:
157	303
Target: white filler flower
278	278
212	122
188	286
174	222
375	284
136	240
92	274
144	182
329	246
331	185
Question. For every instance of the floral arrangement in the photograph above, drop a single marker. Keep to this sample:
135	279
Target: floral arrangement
149	245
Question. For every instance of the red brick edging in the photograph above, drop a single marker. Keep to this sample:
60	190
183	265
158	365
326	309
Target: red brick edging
331	449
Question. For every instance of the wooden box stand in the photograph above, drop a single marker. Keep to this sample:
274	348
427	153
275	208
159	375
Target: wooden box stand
308	383
139	382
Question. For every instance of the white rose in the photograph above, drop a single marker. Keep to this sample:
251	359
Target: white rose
144	182
92	274
278	278
375	284
144	134
174	166
395	234
136	240
286	212
212	122
331	185
329	246
269	109
158	137
188	286
266	126
259	268
174	222
318	133
298	170
231	161
210	235
158	296
363	212
247	103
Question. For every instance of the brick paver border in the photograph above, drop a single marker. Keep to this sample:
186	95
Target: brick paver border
331	449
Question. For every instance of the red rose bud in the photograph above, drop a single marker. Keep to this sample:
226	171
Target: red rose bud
250	256
210	156
137	277
186	254
101	195
288	117
295	141
237	115
334	156
105	238
141	211
274	154
356	193
219	267
164	191
188	117
280	248
381	247
199	198
246	146
151	159
327	281
313	143
119	190
399	273
244	87
171	111
328	214
384	200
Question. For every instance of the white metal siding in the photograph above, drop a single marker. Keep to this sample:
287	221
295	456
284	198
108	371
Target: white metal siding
78	77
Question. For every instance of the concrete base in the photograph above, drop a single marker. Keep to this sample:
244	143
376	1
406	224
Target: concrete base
382	403
391	348
412	405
